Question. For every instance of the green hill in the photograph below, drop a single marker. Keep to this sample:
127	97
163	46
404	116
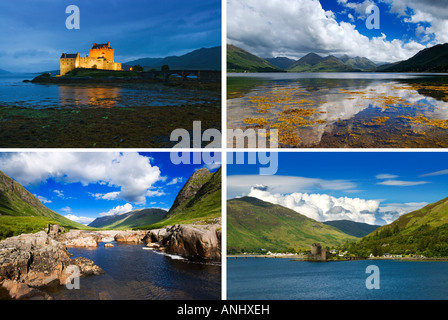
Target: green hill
352	228
239	60
314	63
20	211
421	232
434	59
130	219
198	200
253	225
359	63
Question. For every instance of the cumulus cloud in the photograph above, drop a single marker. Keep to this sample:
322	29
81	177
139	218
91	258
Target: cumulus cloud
324	207
82	220
118	210
293	28
434	12
130	172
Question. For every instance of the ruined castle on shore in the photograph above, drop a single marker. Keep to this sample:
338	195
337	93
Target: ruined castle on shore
101	56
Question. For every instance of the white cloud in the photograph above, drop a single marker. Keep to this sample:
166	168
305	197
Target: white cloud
293	28
323	207
118	210
386	176
43	199
66	209
131	172
174	181
242	184
59	193
82	220
437	173
401	183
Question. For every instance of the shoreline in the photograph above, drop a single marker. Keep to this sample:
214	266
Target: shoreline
296	257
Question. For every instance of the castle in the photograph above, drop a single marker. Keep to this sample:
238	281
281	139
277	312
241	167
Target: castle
101	56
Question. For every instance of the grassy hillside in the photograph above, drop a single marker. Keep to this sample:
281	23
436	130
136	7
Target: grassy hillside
421	232
315	63
20	210
434	59
355	229
198	200
253	225
239	60
130	219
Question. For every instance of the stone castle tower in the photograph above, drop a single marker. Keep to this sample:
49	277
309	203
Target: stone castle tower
101	56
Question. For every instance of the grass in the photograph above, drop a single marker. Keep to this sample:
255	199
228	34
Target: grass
13	226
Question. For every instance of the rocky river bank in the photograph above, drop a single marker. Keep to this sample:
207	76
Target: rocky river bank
31	262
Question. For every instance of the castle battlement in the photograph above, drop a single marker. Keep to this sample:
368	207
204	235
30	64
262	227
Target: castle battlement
101	56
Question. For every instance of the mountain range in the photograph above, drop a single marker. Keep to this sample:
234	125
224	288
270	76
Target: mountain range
239	60
434	59
130	219
200	59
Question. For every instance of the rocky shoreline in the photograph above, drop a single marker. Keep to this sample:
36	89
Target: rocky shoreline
31	262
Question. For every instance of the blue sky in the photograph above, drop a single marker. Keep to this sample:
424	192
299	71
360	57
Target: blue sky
293	28
33	33
86	185
383	184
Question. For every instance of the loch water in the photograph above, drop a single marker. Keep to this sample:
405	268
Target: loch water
342	110
287	279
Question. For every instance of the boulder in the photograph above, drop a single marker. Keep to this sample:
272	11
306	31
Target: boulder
78	238
33	261
130	236
188	240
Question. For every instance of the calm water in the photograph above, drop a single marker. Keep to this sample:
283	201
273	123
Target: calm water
14	92
285	279
342	109
136	274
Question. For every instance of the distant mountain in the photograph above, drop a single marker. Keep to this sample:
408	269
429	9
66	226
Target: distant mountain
434	59
200	59
4	71
359	63
314	63
239	60
253	225
198	200
130	219
352	228
20	211
281	62
421	232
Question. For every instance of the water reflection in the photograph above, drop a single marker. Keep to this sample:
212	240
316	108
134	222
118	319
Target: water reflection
102	97
314	112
